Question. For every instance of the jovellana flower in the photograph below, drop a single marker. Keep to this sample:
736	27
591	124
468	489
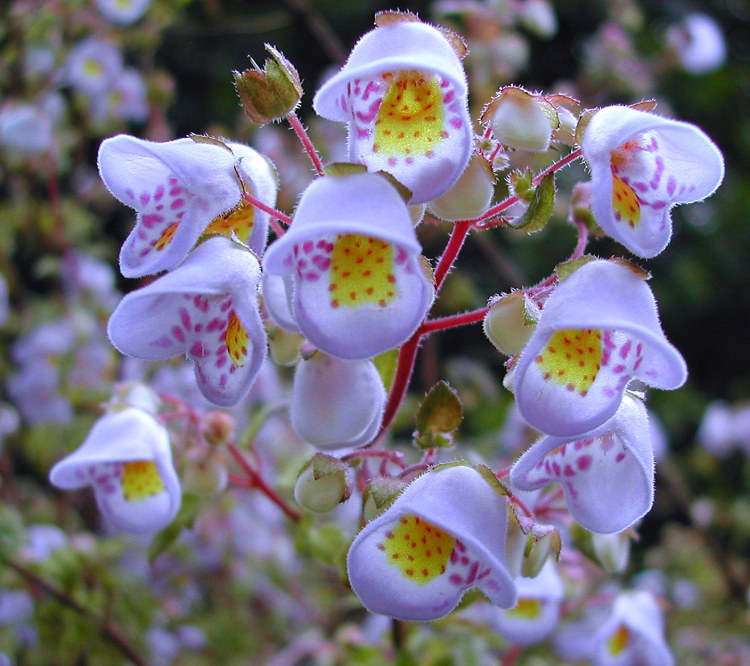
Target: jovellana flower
631	634
122	12
358	286
127	460
336	404
180	190
93	65
444	534
403	94
641	166
698	43
607	474
598	330
537	611
206	308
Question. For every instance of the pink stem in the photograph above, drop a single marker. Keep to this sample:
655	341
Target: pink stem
307	144
394	457
275	214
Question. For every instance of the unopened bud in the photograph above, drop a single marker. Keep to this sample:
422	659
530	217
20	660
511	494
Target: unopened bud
322	484
470	196
379	495
218	427
542	541
612	550
134	394
269	94
510	321
521	120
205	478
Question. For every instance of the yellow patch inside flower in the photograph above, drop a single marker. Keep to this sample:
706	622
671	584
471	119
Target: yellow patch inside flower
619	640
140	480
237	341
361	272
625	202
572	358
526	609
93	68
240	220
411	117
418	549
166	238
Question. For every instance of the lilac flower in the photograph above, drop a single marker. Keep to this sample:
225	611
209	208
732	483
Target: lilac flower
206	308
641	166
127	460
607	474
444	534
181	189
93	66
122	12
26	129
403	94
336	404
358	286
698	43
598	330
537	611
631	634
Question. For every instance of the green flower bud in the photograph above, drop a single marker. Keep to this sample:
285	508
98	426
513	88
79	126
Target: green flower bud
521	120
510	321
612	550
322	484
470	196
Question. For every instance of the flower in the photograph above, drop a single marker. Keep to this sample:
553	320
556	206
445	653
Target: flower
122	12
206	308
359	287
537	611
26	129
607	474
642	165
698	43
598	330
128	461
632	633
444	534
336	404
93	66
404	96
181	189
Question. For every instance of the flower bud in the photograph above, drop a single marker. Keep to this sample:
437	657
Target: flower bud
218	427
521	120
510	322
322	484
470	196
379	495
269	94
612	550
206	478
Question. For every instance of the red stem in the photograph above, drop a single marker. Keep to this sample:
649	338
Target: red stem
452	321
257	481
275	214
307	144
455	242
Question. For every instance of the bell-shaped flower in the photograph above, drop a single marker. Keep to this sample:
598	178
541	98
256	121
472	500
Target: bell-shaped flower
443	535
641	166
537	611
598	330
359	288
181	189
336	404
127	460
631	633
403	94
607	475
206	308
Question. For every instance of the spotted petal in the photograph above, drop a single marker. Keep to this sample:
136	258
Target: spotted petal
206	308
641	166
444	534
403	93
127	460
607	474
359	288
336	404
178	189
598	330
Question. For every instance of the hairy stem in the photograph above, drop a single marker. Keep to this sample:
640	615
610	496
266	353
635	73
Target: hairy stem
307	144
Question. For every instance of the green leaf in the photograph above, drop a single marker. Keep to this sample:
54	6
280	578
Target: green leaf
186	516
540	207
438	417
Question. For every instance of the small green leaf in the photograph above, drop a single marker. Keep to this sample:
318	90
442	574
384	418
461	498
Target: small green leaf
438	417
540	207
386	364
186	516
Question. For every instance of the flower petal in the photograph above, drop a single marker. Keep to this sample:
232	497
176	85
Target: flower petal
359	286
206	308
598	330
336	404
128	461
607	475
444	534
403	92
642	165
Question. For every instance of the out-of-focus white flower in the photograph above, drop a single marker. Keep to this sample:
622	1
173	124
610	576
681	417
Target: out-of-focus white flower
122	12
93	66
25	129
698	42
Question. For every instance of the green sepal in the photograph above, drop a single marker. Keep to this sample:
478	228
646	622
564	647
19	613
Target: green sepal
386	364
491	478
541	206
343	169
566	268
438	417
